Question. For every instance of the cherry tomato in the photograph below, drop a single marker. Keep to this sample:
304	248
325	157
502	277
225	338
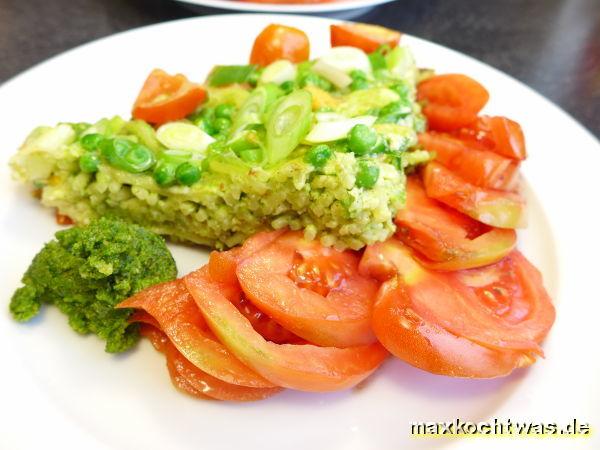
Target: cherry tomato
165	98
445	239
482	168
363	36
492	207
311	290
451	101
304	367
173	308
280	42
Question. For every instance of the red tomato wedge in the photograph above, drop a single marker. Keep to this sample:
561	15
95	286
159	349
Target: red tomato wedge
445	239
482	168
314	291
430	347
178	316
498	134
303	367
165	98
361	35
451	101
503	306
280	42
493	207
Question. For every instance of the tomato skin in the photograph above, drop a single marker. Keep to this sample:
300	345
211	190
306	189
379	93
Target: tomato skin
364	36
445	239
165	98
280	42
498	134
290	281
493	207
451	101
175	311
482	168
302	367
503	306
429	347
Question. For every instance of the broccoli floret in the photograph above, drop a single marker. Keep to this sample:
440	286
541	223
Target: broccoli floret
86	271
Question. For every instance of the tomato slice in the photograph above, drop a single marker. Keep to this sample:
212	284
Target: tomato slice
363	36
165	98
482	168
430	347
311	290
498	134
304	367
175	311
503	306
493	207
445	239
451	101
280	42
222	265
210	386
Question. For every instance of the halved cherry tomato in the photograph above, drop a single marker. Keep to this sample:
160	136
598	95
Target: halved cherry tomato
303	367
280	42
165	98
447	239
430	347
503	306
363	36
496	208
482	168
451	101
498	134
311	290
178	316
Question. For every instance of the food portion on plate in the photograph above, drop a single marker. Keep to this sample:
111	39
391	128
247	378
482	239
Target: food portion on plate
315	145
358	206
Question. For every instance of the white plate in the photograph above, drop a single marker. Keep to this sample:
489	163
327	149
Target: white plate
310	8
60	388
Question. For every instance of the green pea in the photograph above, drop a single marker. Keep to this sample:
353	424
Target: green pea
318	156
382	145
164	173
224	111
367	175
361	139
287	86
251	155
89	162
187	174
91	141
221	124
